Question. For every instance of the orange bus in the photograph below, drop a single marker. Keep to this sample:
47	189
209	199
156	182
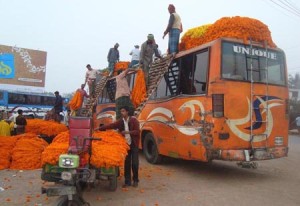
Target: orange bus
223	100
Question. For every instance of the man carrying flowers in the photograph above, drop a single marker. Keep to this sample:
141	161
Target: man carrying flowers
129	127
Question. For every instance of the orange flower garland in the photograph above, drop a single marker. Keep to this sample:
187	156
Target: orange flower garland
28	152
121	65
6	144
139	91
234	27
76	101
192	35
49	128
59	145
110	151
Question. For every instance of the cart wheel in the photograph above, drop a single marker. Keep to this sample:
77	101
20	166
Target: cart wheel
63	201
150	150
113	182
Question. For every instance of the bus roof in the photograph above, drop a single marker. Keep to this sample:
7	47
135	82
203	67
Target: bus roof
28	93
202	46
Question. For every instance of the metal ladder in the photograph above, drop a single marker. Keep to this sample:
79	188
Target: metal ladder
92	102
254	109
156	73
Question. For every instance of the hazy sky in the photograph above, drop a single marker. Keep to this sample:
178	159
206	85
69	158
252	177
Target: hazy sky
75	32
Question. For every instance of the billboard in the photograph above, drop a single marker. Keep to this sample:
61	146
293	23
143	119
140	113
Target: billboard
21	67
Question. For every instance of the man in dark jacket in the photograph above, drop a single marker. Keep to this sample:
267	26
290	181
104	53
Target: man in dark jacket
58	106
130	128
21	122
113	56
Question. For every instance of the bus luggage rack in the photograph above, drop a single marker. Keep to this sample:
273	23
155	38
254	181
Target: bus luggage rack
156	72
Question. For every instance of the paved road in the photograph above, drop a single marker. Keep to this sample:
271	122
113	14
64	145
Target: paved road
275	182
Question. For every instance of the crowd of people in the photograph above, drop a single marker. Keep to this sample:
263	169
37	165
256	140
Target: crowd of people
13	124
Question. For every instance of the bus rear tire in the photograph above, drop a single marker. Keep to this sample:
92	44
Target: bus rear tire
150	150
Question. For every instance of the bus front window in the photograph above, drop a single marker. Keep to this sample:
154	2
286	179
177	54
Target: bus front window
241	62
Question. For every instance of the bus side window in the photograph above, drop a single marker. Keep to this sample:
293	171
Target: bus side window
200	73
186	75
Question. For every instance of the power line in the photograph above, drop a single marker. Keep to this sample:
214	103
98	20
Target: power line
292	5
285	8
285	2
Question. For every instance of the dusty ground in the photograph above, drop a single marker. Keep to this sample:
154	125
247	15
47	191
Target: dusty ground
275	182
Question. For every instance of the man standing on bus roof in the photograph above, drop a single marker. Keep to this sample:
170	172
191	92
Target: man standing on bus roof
90	78
58	106
21	122
135	59
174	29
130	128
113	56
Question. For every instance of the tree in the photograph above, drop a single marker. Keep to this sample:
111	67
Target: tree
294	81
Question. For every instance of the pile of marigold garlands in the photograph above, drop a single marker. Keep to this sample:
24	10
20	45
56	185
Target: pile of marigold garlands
49	128
28	151
234	27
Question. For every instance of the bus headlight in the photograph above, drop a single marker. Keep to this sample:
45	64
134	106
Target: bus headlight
68	161
66	176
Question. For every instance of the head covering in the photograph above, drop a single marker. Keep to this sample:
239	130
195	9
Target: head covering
136	46
56	92
116	44
171	8
150	37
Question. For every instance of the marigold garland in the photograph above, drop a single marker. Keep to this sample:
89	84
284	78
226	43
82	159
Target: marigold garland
234	27
139	91
49	128
27	152
59	145
110	151
121	65
6	144
192	35
76	101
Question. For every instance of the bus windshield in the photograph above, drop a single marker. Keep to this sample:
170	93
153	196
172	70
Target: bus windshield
268	66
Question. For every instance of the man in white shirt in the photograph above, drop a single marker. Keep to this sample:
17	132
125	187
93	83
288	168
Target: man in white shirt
135	59
90	78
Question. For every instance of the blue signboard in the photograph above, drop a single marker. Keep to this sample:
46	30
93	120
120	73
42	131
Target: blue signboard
7	66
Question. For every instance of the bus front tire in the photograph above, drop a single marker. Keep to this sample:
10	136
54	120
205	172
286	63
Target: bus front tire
150	150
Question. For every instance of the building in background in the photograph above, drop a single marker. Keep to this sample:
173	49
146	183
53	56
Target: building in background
22	69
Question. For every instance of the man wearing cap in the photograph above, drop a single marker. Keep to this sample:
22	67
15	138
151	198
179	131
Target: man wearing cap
58	106
90	78
113	57
174	29
135	53
148	48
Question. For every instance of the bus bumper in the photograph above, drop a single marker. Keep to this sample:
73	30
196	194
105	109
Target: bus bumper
255	154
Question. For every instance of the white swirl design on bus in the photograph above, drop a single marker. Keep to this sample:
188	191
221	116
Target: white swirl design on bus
234	124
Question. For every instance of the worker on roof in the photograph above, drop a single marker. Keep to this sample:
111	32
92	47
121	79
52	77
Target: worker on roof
148	48
113	57
90	78
174	29
135	59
